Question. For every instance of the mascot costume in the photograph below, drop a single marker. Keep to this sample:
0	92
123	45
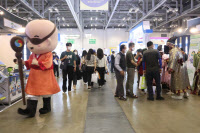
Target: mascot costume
42	40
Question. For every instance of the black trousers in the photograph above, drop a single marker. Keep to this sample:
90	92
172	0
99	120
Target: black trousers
120	87
85	80
56	70
69	72
101	71
90	71
149	78
112	67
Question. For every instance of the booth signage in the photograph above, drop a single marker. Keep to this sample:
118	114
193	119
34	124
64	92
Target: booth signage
94	5
10	24
71	41
92	41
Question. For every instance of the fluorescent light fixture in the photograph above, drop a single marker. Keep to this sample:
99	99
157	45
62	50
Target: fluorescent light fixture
91	18
124	18
96	18
63	18
123	25
21	30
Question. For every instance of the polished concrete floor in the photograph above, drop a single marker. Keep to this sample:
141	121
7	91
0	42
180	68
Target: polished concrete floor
97	111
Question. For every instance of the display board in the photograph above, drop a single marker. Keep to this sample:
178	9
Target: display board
194	48
92	41
94	4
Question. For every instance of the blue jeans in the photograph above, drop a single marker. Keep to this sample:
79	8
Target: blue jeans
149	78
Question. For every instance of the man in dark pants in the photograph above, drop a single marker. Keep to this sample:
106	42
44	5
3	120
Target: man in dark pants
120	68
55	64
71	67
153	62
112	61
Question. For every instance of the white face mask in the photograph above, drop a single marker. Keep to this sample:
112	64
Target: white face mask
69	48
133	48
76	53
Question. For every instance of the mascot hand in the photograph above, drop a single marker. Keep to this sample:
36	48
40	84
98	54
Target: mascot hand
35	62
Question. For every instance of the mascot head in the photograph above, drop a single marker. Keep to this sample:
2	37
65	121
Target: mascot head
42	36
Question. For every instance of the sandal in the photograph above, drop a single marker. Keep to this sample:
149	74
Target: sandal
116	95
122	98
133	96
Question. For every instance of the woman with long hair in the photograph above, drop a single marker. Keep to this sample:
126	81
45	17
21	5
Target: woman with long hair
101	66
90	65
75	74
83	66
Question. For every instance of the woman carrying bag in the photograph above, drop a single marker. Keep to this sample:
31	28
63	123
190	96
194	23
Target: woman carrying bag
101	66
83	66
90	65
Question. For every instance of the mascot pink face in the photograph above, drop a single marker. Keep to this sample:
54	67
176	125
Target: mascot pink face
42	36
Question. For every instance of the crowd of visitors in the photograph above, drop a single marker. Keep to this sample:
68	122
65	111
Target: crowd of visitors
160	68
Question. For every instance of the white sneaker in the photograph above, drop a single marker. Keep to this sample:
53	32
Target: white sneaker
177	97
186	95
170	93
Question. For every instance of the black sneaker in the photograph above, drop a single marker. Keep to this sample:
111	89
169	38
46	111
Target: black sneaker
160	98
150	98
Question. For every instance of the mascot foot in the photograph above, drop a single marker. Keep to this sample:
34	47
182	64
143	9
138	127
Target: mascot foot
46	106
30	109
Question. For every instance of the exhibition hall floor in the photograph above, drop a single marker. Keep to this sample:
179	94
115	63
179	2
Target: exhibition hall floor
97	111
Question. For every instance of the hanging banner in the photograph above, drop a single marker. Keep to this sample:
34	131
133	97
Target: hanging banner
194	47
10	24
94	4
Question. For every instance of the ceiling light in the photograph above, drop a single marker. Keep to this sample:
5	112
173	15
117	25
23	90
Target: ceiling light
21	30
180	30
63	18
118	25
96	18
68	25
91	25
193	30
131	9
1	13
123	25
124	18
91	18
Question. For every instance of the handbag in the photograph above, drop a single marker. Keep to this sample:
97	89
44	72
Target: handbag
142	84
83	67
63	64
95	77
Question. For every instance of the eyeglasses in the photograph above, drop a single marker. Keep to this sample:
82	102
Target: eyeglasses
37	41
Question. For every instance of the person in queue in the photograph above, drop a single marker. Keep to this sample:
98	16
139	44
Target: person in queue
152	66
131	64
120	69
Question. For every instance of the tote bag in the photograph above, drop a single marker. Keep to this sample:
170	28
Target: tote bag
142	84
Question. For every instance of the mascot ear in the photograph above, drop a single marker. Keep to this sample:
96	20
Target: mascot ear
49	41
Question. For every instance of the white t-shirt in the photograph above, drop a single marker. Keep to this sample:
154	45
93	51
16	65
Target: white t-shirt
102	62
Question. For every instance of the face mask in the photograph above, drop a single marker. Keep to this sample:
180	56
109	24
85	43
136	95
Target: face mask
69	48
76	53
37	40
133	48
